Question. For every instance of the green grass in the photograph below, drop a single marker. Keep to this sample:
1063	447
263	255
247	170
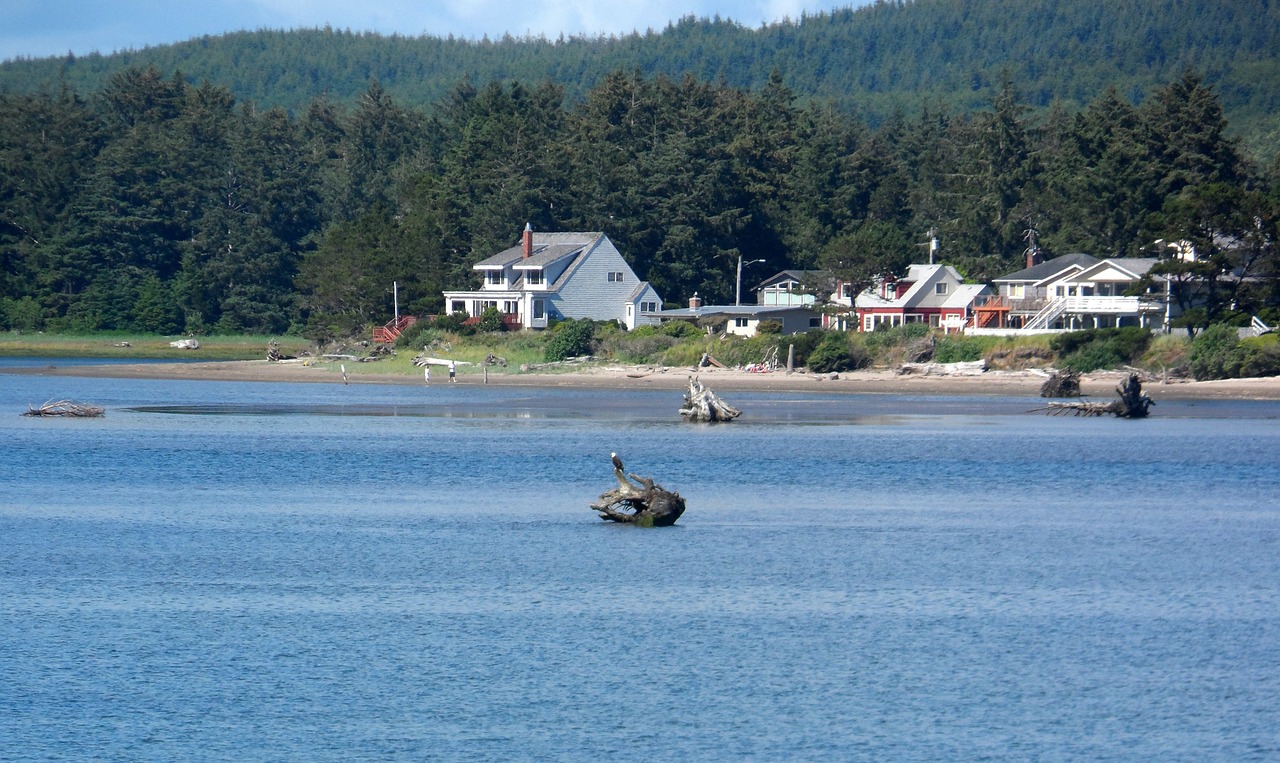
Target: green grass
141	346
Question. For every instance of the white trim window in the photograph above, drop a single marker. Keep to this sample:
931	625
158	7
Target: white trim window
940	288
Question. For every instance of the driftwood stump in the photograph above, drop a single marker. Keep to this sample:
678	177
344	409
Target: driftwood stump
67	408
701	404
1132	403
642	503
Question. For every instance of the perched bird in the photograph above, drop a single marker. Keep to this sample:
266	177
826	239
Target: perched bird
617	462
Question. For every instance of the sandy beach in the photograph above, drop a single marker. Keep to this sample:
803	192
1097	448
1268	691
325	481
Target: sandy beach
1002	383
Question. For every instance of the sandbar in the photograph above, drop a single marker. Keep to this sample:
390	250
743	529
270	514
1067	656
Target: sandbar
619	377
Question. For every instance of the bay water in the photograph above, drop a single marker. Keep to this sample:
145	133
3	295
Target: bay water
244	571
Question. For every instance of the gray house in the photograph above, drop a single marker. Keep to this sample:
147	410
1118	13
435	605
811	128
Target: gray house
559	275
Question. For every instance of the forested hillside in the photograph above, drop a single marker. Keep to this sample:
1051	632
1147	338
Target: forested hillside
875	61
154	204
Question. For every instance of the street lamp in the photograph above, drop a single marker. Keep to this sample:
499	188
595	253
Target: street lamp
737	294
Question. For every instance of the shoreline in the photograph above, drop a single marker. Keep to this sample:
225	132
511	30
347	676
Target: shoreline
990	383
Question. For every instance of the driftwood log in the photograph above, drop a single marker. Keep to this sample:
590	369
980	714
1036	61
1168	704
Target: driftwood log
1131	404
701	404
1061	384
642	503
66	408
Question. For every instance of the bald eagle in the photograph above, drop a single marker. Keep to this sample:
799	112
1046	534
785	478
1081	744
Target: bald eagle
617	462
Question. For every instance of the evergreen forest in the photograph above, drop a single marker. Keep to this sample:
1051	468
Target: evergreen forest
146	198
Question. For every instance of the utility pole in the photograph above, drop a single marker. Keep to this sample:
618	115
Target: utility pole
737	294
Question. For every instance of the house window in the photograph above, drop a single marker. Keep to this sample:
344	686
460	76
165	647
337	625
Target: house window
510	307
539	309
740	322
934	320
940	288
533	277
493	277
846	290
1017	291
648	307
868	323
458	306
615	277
815	323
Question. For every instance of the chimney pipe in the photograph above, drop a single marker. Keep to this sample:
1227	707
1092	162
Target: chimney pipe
528	240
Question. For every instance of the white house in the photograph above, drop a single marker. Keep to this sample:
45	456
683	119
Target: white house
1073	292
559	275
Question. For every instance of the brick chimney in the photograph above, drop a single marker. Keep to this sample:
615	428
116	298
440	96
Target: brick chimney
528	240
695	301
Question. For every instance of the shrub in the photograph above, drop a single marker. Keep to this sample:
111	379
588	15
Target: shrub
455	322
490	321
1167	352
1216	353
1092	357
961	349
896	336
679	329
772	328
636	346
837	353
412	336
21	314
1092	349
570	339
1261	356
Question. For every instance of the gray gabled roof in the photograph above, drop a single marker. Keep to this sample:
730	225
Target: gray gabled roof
803	277
1051	267
547	249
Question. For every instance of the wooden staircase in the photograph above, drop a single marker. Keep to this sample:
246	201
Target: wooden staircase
389	333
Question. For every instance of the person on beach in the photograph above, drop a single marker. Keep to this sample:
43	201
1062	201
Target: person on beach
453	372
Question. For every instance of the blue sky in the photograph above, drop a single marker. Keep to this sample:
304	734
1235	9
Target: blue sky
39	28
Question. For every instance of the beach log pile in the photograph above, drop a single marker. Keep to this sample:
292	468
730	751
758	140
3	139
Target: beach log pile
1061	384
1131	404
701	404
642	503
66	408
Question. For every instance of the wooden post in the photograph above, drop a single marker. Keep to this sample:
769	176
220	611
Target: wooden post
791	358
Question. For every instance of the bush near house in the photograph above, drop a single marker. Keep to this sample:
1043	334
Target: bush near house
838	352
490	321
1092	349
570	339
1218	352
1261	356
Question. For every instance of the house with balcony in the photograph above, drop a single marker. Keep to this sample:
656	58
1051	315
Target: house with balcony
1070	293
555	276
